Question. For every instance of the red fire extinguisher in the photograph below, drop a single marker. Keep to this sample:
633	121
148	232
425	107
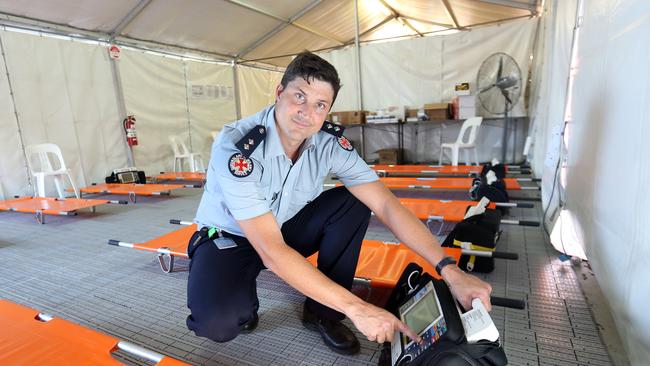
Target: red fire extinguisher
129	128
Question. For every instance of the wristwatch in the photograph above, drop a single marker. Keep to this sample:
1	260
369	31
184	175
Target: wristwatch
443	262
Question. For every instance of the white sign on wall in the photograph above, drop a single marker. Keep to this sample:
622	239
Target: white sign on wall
209	92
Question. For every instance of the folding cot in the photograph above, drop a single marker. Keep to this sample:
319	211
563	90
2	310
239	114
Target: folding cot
31	338
41	206
380	263
133	189
444	183
179	176
452	170
454	211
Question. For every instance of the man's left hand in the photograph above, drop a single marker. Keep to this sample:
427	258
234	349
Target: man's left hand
466	287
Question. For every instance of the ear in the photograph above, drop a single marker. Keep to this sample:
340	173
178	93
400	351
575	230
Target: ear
278	91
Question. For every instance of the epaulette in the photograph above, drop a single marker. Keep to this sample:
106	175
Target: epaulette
332	128
251	140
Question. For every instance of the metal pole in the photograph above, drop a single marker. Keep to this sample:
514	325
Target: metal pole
236	86
121	108
187	107
358	69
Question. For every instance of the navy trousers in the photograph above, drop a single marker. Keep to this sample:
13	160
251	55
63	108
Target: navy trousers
221	290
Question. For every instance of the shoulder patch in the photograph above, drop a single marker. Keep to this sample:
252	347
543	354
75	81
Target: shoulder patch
251	140
333	128
344	143
240	166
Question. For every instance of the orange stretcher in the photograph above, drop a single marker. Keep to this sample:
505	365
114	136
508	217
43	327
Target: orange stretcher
31	338
41	206
444	183
180	176
454	211
380	263
133	189
467	170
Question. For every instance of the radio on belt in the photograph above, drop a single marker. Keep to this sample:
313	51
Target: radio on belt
431	311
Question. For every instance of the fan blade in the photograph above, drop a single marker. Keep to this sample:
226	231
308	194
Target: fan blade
500	68
487	88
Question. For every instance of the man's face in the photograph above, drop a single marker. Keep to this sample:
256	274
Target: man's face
301	108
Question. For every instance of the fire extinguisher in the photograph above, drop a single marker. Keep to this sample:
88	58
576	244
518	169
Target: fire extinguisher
129	128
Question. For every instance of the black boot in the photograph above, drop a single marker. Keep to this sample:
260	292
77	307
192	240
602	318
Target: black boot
336	336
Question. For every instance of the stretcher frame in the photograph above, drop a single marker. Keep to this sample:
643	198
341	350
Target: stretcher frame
454	211
439	170
180	176
444	184
43	339
133	189
41	206
372	269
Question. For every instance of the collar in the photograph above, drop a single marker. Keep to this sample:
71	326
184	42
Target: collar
273	145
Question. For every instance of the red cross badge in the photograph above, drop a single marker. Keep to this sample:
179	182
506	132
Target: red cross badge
345	143
240	166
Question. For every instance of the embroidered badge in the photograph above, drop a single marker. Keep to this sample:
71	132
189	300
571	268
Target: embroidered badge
345	143
240	166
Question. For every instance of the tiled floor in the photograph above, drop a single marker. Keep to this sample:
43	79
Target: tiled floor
66	269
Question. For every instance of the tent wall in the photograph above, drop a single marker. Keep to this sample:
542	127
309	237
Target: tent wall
607	165
13	167
424	70
256	88
548	94
63	94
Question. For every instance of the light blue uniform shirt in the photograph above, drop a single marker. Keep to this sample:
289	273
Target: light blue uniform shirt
275	184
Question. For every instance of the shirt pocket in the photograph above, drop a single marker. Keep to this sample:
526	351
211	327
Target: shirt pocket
304	194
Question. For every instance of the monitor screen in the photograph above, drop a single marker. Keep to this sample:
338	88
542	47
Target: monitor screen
422	314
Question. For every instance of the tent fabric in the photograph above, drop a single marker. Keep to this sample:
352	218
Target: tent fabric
548	94
607	140
64	94
312	24
413	72
257	89
13	170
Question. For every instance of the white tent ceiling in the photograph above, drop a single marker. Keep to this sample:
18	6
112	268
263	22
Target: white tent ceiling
264	31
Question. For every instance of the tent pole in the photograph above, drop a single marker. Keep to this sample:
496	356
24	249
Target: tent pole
358	67
236	86
121	108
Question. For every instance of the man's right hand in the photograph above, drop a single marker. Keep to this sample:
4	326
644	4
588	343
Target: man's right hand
378	325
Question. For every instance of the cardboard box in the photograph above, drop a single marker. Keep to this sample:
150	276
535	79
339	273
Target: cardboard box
387	156
437	111
348	117
464	106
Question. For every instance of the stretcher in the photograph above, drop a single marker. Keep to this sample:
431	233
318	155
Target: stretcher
31	338
133	189
444	183
467	170
41	206
454	211
380	263
179	176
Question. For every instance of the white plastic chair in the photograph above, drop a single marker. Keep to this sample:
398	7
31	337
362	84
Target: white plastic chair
45	168
181	152
473	125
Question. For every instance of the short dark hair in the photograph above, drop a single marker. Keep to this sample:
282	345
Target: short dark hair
310	66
